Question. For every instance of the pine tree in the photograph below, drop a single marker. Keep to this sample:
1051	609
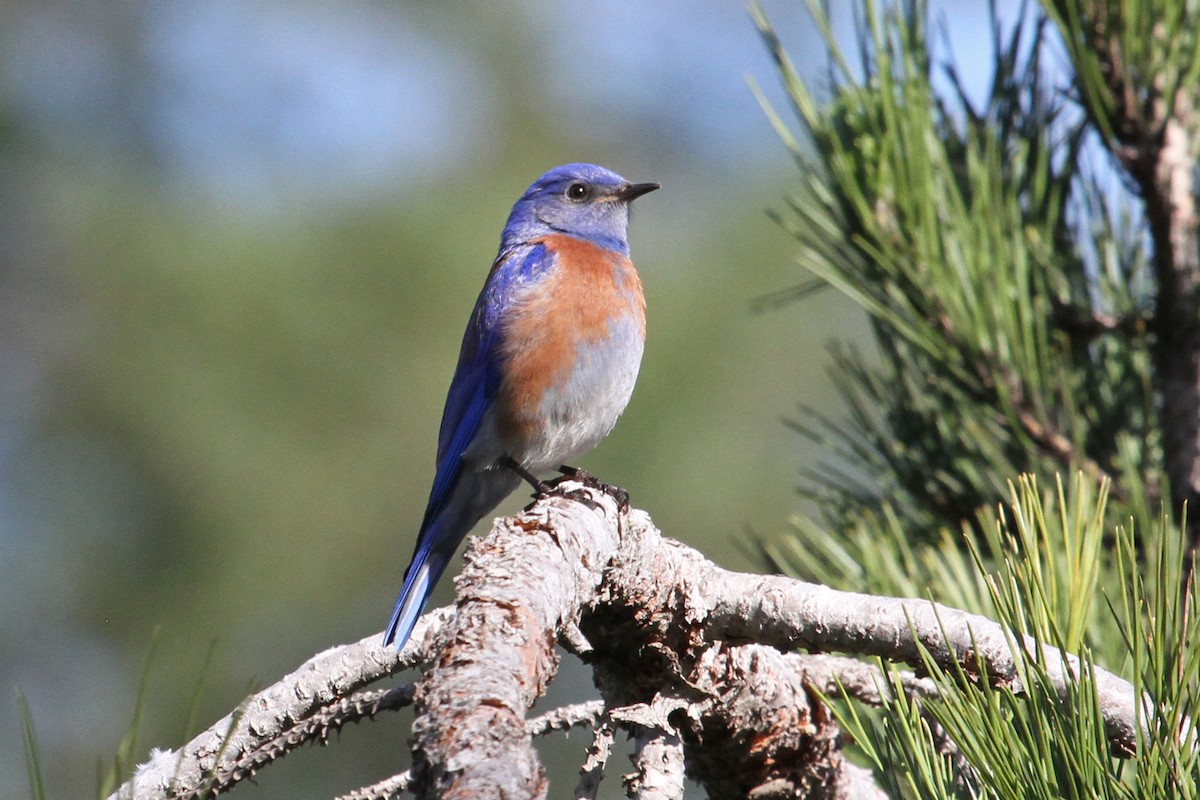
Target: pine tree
1030	266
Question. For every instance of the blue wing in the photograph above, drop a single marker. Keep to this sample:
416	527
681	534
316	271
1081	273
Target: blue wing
460	497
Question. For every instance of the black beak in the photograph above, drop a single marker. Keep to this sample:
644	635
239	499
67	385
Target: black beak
631	190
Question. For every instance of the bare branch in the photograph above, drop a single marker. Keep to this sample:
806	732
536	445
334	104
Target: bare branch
565	718
681	595
262	727
863	681
1083	326
1043	433
658	766
1052	442
763	732
999	386
574	640
592	771
387	789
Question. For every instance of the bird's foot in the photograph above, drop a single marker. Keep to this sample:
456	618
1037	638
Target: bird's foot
592	482
578	495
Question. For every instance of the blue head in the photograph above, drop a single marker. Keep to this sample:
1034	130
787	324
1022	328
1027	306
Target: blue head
581	200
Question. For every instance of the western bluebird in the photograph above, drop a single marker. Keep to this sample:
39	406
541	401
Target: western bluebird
547	364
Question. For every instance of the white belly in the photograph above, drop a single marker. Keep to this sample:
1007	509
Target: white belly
582	411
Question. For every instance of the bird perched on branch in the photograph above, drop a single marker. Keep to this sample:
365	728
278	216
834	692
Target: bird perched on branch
548	362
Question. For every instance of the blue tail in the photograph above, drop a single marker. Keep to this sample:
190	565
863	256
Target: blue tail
446	522
419	581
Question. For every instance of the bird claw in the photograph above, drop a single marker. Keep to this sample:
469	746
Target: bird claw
579	496
543	488
592	482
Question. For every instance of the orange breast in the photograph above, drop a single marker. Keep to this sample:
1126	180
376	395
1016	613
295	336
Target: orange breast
573	305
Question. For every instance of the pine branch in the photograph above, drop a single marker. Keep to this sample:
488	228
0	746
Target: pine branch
662	621
680	594
1010	391
1137	68
1051	441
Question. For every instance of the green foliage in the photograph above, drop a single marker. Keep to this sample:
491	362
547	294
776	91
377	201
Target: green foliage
1159	599
1133	59
956	227
1050	570
33	757
1005	270
129	751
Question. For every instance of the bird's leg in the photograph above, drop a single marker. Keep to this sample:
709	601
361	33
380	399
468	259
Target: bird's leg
590	480
540	487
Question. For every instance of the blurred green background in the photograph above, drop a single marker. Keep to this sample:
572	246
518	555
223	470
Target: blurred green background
238	247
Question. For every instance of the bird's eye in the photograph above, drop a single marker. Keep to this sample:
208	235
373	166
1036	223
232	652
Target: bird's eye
578	192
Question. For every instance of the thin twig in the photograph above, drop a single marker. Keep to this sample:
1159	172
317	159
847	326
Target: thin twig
387	789
592	771
565	718
658	766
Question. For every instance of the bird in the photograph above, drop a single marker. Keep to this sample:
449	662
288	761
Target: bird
547	364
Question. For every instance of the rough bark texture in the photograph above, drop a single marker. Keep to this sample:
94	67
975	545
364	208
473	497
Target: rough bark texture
264	727
658	766
691	659
684	600
522	584
1165	173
